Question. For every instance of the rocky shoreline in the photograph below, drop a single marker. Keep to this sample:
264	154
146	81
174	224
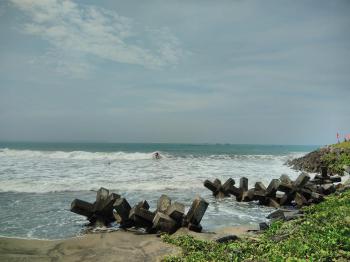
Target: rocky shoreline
334	157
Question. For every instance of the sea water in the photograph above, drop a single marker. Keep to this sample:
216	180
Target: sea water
38	181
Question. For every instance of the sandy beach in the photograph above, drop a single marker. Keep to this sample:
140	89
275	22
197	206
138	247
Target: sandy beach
113	246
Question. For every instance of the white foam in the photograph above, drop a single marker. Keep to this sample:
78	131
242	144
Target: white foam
77	155
52	171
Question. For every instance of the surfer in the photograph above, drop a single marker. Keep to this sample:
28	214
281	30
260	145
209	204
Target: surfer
156	155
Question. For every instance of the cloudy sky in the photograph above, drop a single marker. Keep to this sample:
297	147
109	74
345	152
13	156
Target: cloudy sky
267	72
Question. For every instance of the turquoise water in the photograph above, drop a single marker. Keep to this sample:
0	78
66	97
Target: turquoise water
39	180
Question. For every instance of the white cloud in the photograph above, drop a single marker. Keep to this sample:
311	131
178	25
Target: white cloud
79	33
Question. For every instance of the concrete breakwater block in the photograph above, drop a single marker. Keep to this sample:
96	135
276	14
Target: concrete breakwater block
168	216
280	192
101	211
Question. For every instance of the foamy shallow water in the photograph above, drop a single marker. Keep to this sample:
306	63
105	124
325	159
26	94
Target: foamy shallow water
37	187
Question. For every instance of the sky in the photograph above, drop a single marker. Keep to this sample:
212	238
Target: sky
245	72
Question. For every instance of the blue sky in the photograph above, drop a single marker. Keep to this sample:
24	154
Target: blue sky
268	72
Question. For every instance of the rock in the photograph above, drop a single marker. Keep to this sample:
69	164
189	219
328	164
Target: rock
291	215
263	226
278	214
227	239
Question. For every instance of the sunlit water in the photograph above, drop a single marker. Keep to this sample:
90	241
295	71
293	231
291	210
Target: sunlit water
39	181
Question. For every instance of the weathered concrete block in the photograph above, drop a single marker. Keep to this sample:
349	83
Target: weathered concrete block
273	187
302	179
316	198
82	208
320	177
249	196
197	211
273	203
243	184
278	214
263	226
163	203
122	208
141	217
259	186
227	239
217	183
164	223
228	186
259	195
176	211
328	189
284	187
335	179
101	197
235	191
195	227
287	199
324	171
105	207
285	179
300	200
143	204
291	215
142	213
212	187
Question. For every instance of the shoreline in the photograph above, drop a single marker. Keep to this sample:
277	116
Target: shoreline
110	246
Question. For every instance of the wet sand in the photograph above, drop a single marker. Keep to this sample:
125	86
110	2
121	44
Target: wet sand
113	246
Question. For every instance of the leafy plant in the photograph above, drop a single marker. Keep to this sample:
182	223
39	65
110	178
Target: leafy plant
322	235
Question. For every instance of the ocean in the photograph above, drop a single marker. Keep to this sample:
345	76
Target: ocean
38	181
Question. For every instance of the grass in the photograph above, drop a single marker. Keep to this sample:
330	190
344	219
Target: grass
342	145
336	160
322	235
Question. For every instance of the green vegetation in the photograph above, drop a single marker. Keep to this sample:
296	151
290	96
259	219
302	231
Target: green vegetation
322	235
337	158
336	162
342	145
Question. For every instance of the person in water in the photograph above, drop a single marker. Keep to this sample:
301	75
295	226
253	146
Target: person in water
156	155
